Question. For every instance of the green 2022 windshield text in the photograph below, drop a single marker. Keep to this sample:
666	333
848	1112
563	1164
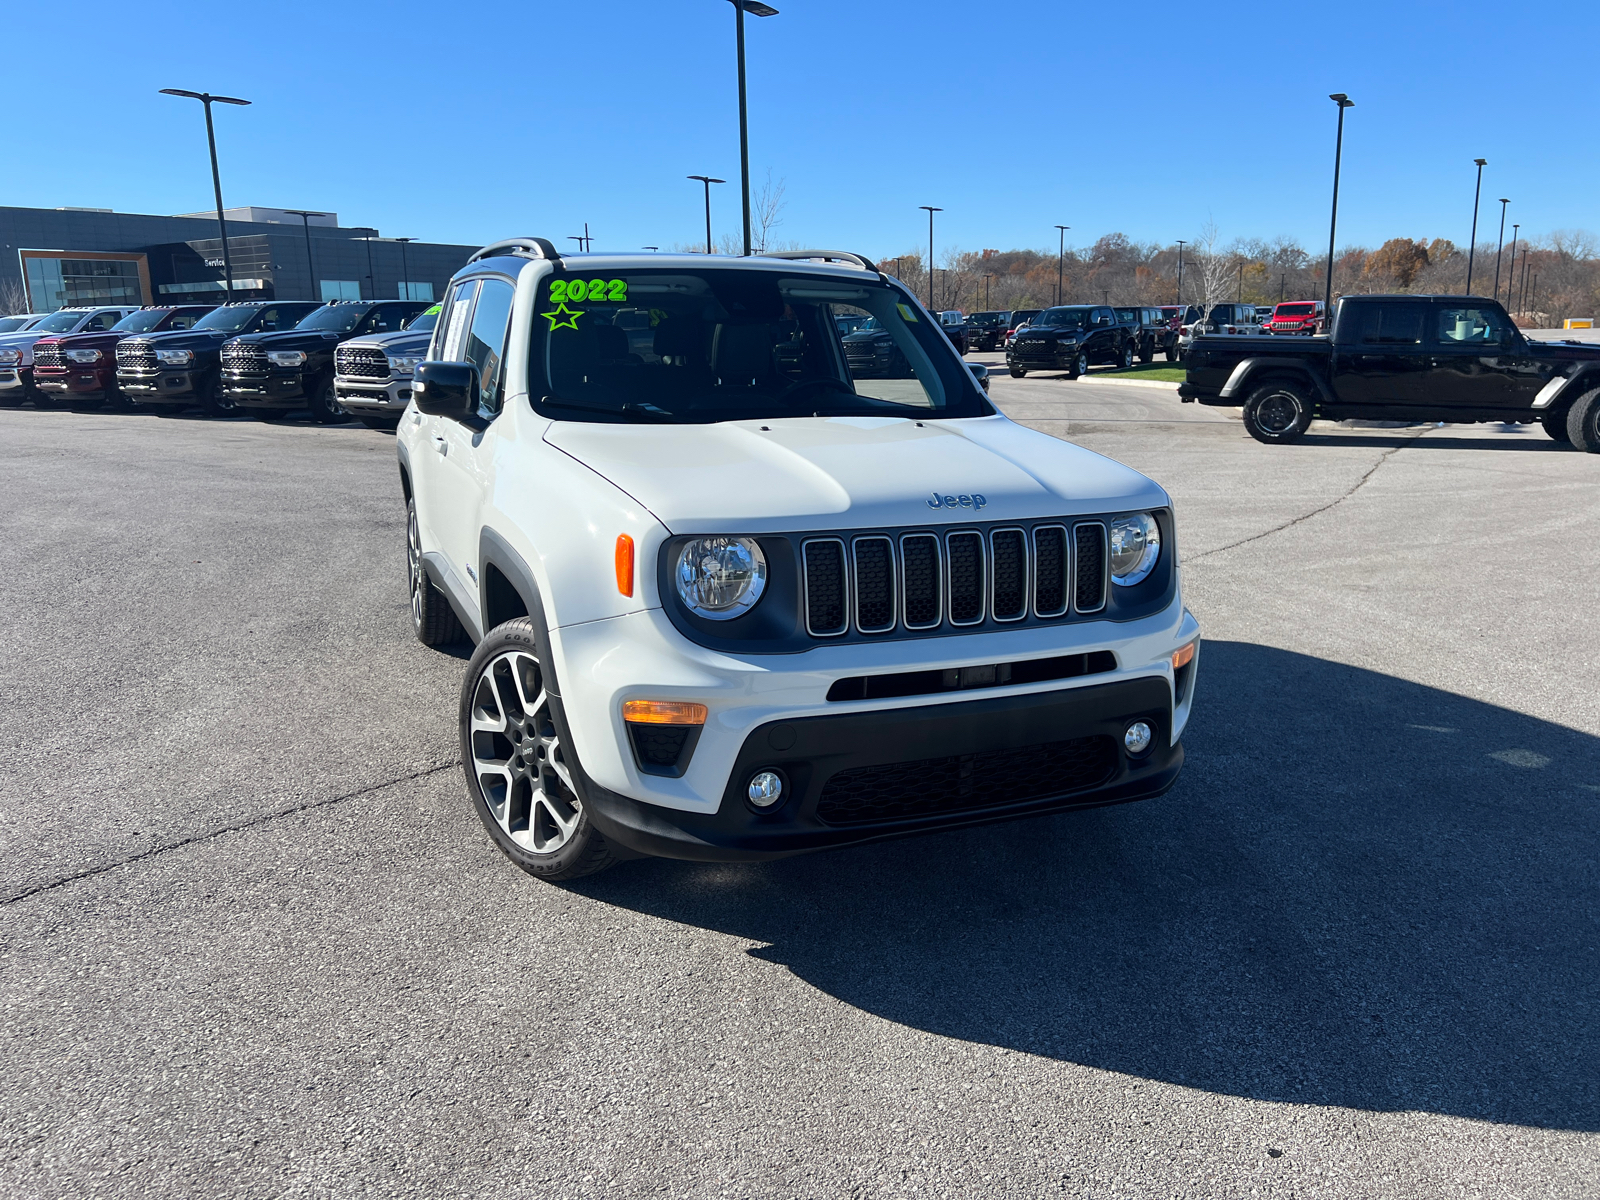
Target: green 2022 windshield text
609	291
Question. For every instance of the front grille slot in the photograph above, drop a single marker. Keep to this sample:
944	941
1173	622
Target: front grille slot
919	556
246	358
48	354
933	786
1008	552
964	553
827	610
874	576
1089	544
361	362
1050	571
136	356
952	679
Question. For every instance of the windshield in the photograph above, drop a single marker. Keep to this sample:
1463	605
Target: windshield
1128	314
59	322
988	318
951	318
1024	316
692	346
142	321
1063	318
12	324
227	320
424	320
1296	310
334	318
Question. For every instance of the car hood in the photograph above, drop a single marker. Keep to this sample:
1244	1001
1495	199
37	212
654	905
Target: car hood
292	339
1048	331
800	474
185	339
13	341
87	341
398	342
1565	350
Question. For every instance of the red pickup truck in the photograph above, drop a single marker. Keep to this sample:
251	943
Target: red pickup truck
80	369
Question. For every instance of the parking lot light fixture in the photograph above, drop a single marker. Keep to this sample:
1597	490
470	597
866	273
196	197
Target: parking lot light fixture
1499	245
756	9
1178	299
1061	257
931	211
1343	102
708	181
1472	242
207	99
305	223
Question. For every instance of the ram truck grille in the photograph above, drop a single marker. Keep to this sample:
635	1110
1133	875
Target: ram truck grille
48	354
136	356
360	362
246	359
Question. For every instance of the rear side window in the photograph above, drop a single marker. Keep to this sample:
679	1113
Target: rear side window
1391	324
184	320
269	319
486	338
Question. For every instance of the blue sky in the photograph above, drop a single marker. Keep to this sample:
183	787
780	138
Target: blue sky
475	120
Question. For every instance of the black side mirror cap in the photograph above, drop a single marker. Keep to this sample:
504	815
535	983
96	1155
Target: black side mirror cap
446	389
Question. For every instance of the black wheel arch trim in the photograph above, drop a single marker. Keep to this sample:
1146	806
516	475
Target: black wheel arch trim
1249	371
501	567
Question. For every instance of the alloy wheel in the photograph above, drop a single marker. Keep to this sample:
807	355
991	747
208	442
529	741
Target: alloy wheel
517	756
1278	413
414	567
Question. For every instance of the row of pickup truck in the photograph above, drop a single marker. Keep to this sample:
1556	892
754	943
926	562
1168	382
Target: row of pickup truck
264	358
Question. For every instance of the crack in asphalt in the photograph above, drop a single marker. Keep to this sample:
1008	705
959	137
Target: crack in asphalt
1334	503
211	834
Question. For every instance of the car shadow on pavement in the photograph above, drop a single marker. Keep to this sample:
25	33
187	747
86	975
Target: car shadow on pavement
1363	892
1429	440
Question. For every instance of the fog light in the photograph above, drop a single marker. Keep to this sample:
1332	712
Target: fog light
1138	738
766	789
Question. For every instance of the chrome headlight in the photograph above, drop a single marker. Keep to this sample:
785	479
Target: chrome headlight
403	366
175	358
720	578
1135	547
286	358
10	358
84	356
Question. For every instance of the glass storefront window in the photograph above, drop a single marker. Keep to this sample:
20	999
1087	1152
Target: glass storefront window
81	282
341	289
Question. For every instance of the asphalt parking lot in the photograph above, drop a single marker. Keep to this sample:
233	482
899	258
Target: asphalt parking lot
256	944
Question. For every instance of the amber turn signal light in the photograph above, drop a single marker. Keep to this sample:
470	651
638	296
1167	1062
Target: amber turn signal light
663	712
624	564
1183	656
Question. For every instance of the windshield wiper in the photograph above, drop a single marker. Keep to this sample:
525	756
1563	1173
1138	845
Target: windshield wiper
625	409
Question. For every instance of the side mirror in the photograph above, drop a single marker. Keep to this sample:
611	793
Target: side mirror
446	389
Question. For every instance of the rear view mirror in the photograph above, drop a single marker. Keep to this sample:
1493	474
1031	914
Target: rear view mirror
446	389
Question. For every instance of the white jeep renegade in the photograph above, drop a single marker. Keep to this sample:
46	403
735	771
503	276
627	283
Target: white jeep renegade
733	601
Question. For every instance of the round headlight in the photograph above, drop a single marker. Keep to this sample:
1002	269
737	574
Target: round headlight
720	577
1135	547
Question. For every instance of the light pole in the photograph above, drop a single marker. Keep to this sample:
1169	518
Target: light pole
1238	296
207	99
1283	280
708	181
1522	290
372	280
1472	242
305	222
986	279
405	267
1500	245
756	9
1061	257
1343	102
583	239
1511	271
931	211
1178	300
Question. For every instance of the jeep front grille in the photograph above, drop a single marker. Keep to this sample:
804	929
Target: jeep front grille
876	583
245	358
135	356
48	354
360	362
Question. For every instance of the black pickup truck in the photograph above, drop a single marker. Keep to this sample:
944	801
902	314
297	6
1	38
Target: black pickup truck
1403	358
181	368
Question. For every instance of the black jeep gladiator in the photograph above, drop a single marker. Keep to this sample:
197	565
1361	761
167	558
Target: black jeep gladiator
1403	358
1149	327
269	375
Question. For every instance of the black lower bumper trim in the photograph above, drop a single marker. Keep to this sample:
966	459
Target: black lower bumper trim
978	735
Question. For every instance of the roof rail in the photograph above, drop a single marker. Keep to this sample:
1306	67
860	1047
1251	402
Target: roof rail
519	247
843	256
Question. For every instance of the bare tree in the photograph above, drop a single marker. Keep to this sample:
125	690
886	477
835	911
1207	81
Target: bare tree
1216	266
767	212
13	297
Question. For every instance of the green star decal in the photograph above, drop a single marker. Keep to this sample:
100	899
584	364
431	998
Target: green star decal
563	317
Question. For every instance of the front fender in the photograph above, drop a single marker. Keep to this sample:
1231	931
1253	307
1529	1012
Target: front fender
1568	385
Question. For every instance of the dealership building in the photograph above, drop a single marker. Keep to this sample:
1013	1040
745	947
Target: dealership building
54	258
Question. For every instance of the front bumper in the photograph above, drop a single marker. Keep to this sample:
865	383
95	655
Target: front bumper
79	383
1056	357
158	387
272	389
15	378
373	396
868	776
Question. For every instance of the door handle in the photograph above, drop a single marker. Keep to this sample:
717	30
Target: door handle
439	444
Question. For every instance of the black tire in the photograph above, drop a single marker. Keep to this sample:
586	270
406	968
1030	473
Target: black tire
432	619
1148	354
1079	367
1172	352
381	424
1018	373
12	399
1555	424
214	402
324	403
1126	361
1277	412
1583	422
522	774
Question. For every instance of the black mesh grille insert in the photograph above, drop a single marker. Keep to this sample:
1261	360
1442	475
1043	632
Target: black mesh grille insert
1090	551
658	745
874	584
968	781
966	577
1010	574
825	599
1050	571
920	553
48	354
136	356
